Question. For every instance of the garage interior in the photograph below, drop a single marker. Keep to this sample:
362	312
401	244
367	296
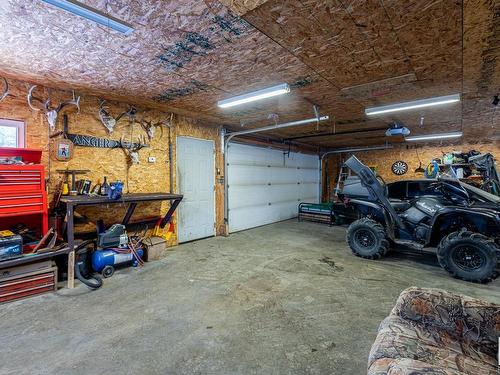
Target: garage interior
192	187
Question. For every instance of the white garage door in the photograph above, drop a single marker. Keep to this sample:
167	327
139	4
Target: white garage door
195	180
266	186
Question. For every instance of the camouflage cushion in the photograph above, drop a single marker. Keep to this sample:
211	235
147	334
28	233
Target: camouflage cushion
405	366
435	332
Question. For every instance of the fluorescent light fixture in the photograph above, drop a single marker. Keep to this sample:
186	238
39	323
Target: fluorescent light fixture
405	106
432	137
92	14
256	95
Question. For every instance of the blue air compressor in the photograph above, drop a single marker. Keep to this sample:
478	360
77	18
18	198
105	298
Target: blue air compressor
114	248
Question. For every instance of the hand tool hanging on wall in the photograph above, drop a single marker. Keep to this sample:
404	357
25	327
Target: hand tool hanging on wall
51	112
419	169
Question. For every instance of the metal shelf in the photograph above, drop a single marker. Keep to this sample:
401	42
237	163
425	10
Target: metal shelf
32	258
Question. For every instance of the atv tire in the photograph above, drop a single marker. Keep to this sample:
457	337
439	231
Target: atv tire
468	256
367	239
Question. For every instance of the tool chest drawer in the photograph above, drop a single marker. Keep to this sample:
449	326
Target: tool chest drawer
29	284
11	204
21	178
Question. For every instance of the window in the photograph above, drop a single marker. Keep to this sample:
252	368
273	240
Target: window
11	133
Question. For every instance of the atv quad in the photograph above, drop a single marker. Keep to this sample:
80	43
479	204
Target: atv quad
461	221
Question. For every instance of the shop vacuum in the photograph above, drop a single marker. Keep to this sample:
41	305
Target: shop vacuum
113	248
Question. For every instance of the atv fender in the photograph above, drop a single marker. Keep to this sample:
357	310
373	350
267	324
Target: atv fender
451	219
376	211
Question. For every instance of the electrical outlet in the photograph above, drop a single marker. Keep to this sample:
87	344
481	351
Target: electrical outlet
152	159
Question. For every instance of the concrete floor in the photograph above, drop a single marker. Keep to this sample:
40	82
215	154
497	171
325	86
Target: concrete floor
287	298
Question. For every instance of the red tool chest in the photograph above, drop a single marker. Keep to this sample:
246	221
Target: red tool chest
28	284
23	198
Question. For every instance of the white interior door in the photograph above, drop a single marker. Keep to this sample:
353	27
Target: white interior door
266	186
196	181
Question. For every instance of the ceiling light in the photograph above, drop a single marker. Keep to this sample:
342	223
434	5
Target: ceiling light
256	95
432	137
92	14
405	106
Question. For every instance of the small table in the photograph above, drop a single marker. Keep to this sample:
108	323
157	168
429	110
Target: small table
71	202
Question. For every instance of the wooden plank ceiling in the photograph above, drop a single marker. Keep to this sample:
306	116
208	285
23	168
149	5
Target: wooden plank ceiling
343	55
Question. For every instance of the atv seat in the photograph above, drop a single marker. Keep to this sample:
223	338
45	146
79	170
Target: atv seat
399	205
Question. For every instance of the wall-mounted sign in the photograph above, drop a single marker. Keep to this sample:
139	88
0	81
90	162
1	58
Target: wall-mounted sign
62	149
90	141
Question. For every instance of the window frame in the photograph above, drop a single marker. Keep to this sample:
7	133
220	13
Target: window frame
20	126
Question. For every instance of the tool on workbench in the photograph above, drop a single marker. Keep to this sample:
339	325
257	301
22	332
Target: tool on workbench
11	245
115	190
96	190
73	173
65	188
104	187
29	234
47	242
83	187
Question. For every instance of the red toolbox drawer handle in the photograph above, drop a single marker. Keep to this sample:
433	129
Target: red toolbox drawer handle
19	171
19	183
20	205
21	197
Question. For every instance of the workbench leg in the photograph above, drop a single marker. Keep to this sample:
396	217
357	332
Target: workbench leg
168	216
71	269
129	213
71	244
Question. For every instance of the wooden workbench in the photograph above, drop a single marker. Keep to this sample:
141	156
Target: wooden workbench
71	202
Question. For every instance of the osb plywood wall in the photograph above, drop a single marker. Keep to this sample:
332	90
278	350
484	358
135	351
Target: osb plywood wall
383	160
112	163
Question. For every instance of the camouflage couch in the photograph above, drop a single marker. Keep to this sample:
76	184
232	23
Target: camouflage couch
431	331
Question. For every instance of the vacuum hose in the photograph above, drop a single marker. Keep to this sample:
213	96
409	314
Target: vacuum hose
93	282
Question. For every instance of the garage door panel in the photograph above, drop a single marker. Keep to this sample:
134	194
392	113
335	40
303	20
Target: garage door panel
245	196
251	217
308	175
302	161
283	193
242	154
245	174
262	195
266	186
308	190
